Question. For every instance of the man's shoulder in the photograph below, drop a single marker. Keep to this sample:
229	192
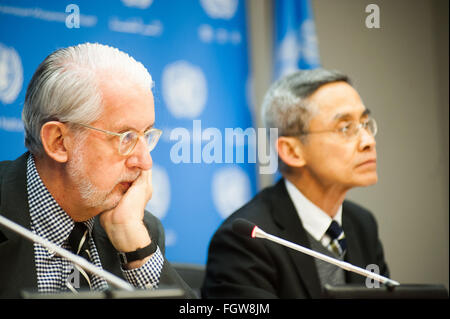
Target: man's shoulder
357	213
4	167
260	208
152	221
8	164
12	173
353	207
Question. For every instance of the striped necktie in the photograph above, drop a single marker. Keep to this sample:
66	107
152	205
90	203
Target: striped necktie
79	243
338	244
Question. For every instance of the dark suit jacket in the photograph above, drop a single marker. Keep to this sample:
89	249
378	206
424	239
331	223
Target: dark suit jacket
17	262
240	267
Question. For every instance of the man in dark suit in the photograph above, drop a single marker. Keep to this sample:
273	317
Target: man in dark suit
88	118
326	146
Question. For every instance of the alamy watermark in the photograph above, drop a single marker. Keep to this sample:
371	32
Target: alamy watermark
211	145
73	18
373	19
372	283
73	280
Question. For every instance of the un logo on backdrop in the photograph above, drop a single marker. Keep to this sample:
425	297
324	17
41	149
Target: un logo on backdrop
184	89
309	47
141	4
230	190
220	9
11	74
288	54
299	46
159	203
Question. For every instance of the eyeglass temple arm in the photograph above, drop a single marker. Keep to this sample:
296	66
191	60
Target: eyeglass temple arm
100	130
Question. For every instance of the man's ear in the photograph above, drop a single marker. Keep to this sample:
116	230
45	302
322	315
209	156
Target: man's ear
290	151
54	140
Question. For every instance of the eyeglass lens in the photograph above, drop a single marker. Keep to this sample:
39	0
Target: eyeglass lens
129	141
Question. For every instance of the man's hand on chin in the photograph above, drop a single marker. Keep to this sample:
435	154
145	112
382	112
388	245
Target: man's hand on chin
124	224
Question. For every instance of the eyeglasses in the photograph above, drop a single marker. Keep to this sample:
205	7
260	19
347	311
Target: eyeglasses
128	140
352	129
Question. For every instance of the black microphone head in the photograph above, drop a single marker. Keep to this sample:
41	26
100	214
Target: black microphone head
243	227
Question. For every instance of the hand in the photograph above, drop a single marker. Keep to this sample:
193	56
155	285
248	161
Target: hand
124	224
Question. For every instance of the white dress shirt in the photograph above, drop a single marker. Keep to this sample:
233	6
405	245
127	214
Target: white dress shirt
314	220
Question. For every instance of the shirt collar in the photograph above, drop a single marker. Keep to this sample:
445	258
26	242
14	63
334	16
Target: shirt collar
48	219
314	220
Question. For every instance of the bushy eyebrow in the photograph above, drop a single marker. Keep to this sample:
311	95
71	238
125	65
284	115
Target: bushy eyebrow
342	116
365	113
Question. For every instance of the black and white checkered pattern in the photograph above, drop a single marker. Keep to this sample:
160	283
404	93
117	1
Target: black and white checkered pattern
148	275
50	221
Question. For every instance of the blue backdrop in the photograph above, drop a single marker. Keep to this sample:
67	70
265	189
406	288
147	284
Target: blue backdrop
196	52
295	39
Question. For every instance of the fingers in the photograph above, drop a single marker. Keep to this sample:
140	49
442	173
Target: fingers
145	180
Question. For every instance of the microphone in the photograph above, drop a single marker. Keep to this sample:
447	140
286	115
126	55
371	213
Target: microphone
246	228
79	261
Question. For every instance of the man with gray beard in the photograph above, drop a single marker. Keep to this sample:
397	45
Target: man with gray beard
86	178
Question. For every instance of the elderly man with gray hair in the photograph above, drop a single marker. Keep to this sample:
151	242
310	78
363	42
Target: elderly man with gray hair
84	183
326	146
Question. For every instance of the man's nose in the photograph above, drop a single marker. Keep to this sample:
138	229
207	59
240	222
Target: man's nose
366	139
140	157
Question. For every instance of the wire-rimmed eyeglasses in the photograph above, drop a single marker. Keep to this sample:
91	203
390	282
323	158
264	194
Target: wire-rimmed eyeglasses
352	129
128	139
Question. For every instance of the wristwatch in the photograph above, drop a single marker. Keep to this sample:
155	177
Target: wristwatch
138	254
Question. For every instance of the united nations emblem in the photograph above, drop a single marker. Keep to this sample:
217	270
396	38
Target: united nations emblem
11	74
184	89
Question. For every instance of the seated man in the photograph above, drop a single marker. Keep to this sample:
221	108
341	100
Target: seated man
83	185
326	146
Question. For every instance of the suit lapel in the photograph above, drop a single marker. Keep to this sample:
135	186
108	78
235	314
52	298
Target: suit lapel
14	206
291	229
355	254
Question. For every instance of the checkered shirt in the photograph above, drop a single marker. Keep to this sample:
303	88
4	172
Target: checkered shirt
50	221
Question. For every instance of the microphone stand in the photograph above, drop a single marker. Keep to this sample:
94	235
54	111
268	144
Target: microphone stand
81	262
259	233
